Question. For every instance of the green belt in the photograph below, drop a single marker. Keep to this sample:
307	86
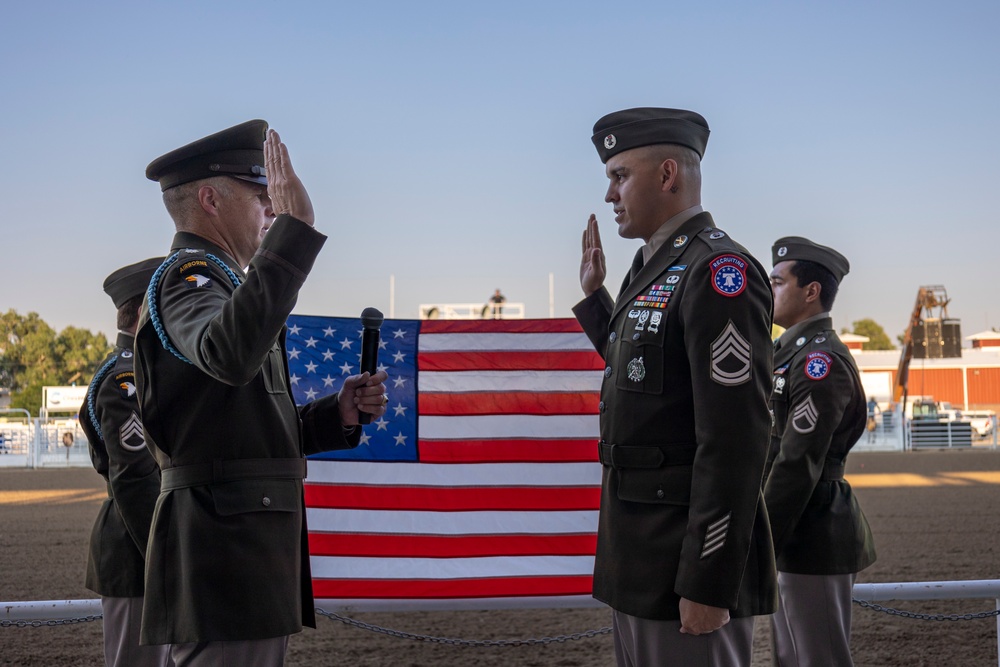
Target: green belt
646	456
201	474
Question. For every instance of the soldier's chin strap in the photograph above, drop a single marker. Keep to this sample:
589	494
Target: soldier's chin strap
152	298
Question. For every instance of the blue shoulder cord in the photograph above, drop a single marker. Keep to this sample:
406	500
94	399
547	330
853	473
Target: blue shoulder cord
92	392
154	307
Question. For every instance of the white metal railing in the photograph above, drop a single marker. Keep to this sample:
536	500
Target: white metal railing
472	311
37	442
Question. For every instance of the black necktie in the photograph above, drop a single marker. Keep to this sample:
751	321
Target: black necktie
637	263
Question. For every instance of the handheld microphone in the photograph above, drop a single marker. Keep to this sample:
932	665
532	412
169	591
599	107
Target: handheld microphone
371	320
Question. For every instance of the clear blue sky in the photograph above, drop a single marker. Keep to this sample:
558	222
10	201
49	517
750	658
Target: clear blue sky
448	143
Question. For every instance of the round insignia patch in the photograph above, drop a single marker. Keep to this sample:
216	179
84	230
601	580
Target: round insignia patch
818	365
716	235
680	240
782	251
610	141
800	342
729	276
636	370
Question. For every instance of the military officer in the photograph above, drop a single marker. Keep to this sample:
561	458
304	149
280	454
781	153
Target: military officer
227	576
110	418
684	554
821	536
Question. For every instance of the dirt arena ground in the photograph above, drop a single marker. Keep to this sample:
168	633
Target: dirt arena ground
934	515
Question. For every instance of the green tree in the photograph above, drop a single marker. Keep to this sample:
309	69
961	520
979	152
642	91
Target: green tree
32	356
878	339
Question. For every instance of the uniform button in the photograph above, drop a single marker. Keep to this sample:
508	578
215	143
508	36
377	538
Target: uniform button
659	493
635	336
613	337
607	372
266	502
600	406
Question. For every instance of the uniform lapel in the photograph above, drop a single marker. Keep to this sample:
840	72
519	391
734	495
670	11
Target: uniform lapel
663	259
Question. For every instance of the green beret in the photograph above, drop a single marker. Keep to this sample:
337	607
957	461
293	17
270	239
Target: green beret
796	247
130	281
623	130
238	152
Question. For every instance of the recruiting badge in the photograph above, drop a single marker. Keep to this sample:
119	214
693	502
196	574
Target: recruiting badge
729	275
818	365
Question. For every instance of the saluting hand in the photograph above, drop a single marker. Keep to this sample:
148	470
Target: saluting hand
592	267
287	193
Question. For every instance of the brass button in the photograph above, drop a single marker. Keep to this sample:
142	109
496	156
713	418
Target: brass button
607	372
613	337
659	493
266	502
600	406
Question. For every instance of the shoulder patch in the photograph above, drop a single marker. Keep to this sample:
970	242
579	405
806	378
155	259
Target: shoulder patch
818	365
126	384
729	274
194	270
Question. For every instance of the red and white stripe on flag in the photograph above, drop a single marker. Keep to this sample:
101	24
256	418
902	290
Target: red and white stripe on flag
499	507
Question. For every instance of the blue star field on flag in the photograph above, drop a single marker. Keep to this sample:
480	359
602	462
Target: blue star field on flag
322	351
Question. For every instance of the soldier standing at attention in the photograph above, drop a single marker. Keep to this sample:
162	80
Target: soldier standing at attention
821	537
110	419
227	573
684	555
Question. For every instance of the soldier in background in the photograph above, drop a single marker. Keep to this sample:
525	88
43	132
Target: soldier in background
110	419
821	536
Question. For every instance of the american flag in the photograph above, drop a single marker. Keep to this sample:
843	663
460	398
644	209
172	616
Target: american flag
480	485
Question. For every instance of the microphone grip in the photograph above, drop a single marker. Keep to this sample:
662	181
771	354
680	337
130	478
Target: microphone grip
371	322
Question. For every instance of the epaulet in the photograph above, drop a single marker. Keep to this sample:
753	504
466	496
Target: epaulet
95	383
718	240
191	261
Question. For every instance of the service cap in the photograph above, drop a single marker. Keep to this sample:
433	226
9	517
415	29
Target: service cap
131	280
796	247
644	126
237	151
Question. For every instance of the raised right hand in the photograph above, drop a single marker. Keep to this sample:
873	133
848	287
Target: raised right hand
592	267
288	194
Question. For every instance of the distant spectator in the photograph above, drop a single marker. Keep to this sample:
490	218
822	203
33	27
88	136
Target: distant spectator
495	306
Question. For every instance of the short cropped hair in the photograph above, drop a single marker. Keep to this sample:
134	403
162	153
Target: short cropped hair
128	314
182	201
810	272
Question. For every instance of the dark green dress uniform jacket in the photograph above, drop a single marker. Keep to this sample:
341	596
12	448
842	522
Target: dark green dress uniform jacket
684	428
110	419
228	556
819	413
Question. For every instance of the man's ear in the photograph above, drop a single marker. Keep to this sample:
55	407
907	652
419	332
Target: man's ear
813	292
209	199
668	175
